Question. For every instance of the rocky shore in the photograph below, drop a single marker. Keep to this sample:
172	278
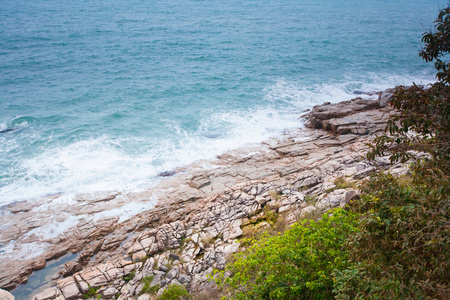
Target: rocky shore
202	211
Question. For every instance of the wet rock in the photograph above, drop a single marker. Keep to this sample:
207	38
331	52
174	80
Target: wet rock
18	207
166	173
38	264
71	268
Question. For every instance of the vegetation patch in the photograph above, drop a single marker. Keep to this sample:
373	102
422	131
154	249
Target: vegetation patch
147	280
271	216
253	229
342	183
310	199
275	195
175	292
130	276
91	293
209	241
402	248
295	265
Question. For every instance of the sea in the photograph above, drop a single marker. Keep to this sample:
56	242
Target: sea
104	95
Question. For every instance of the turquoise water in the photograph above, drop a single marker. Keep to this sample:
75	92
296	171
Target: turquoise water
39	280
106	94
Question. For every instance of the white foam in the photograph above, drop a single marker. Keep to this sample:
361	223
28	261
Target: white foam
125	212
23	251
231	129
83	167
54	203
304	97
54	228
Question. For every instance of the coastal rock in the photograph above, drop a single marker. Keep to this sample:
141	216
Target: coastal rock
349	195
385	97
357	116
109	293
329	111
200	181
4	295
69	288
50	293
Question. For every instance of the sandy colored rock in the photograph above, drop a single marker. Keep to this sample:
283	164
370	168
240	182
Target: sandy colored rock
4	295
68	288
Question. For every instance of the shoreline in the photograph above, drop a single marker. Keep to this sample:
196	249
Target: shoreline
276	164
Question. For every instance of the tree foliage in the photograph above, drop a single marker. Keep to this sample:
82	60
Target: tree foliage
437	45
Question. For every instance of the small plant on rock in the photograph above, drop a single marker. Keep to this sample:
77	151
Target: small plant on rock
275	195
147	280
208	242
342	183
130	276
271	215
309	199
92	292
175	292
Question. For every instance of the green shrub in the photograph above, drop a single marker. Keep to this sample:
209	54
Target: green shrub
295	265
174	292
395	241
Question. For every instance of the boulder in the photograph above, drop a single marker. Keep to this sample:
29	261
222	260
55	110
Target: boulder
385	97
4	295
69	288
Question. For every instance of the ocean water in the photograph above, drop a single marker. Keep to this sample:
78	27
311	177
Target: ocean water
105	95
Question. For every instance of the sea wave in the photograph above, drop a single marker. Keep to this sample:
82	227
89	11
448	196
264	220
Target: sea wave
131	163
